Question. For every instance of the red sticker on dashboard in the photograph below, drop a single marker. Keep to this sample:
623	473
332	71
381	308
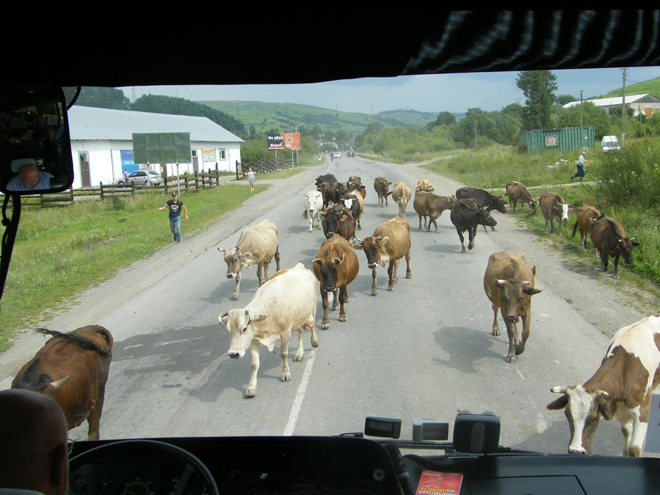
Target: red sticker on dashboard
434	483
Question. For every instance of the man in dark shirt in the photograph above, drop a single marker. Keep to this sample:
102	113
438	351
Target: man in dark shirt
175	207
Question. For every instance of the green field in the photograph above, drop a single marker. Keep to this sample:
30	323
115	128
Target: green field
652	87
61	252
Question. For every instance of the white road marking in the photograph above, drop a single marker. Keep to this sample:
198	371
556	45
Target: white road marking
300	396
521	375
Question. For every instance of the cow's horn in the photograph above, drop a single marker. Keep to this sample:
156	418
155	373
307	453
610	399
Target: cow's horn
526	282
61	382
558	390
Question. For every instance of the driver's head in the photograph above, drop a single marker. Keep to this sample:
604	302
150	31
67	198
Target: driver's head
29	175
33	440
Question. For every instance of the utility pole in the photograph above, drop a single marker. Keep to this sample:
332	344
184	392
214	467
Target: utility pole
623	111
581	105
475	131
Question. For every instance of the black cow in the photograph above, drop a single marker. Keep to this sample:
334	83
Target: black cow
329	178
338	220
484	197
466	215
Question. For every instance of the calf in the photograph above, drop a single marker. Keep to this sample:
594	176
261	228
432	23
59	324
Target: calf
609	238
313	204
516	191
284	303
586	215
553	207
390	242
72	368
257	245
466	215
382	185
335	266
621	388
338	220
509	284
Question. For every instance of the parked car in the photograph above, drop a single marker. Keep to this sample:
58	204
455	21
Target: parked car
610	143
146	178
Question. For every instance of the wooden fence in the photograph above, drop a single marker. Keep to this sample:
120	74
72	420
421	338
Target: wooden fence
187	184
265	165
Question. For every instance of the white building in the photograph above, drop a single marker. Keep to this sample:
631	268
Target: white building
646	104
102	146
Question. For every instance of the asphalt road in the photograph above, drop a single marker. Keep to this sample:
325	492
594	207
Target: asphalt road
423	351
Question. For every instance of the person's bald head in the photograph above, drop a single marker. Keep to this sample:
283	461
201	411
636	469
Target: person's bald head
29	175
33	436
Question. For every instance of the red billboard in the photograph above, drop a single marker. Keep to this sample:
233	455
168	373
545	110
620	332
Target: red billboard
289	141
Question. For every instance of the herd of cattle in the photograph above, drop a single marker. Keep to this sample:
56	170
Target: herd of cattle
73	367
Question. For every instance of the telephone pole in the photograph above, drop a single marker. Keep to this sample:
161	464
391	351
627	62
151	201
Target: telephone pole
623	111
475	131
581	105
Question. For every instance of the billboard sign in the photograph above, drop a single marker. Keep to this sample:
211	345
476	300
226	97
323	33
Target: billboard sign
168	147
288	141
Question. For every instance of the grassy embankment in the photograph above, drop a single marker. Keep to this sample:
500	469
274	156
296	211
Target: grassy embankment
61	252
627	185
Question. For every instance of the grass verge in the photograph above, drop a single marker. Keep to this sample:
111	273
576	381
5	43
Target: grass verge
61	252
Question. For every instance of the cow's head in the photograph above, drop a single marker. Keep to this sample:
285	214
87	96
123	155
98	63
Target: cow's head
235	259
374	249
333	216
242	326
499	204
515	297
310	200
327	268
533	203
484	218
583	408
564	208
625	247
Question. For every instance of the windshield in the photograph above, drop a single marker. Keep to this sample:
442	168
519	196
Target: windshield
163	274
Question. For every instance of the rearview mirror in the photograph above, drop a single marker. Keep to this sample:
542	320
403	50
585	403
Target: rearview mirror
35	148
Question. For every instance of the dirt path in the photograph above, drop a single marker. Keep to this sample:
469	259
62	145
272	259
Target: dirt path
606	303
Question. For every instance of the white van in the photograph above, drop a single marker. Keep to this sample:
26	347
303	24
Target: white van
610	143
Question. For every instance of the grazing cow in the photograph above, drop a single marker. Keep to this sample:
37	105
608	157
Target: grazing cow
621	388
424	185
335	266
432	205
313	204
401	194
509	284
337	219
382	185
586	215
516	191
552	206
285	303
258	245
466	215
72	368
609	238
390	242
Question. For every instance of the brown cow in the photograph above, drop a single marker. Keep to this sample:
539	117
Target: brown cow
552	206
335	265
382	185
432	205
390	242
72	368
509	284
356	187
354	202
337	219
355	178
609	238
586	215
424	185
516	191
401	194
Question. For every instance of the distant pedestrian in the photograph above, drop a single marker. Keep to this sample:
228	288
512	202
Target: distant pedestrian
126	175
251	179
175	207
581	170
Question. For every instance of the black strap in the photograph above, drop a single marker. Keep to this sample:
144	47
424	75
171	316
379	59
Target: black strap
8	238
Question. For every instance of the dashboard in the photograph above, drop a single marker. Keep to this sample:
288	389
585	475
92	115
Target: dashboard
301	465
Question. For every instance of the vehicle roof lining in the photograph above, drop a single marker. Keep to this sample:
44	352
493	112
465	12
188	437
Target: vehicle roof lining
123	52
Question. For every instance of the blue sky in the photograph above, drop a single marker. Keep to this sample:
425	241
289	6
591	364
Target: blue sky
433	93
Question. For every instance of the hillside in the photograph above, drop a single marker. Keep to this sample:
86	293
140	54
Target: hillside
652	87
285	116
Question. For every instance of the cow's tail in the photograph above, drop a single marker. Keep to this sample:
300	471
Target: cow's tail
574	229
530	215
83	342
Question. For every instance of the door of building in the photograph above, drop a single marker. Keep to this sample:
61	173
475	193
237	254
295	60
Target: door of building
84	169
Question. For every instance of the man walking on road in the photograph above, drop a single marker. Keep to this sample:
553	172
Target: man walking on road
175	215
581	172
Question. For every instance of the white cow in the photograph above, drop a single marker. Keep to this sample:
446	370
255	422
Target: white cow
313	204
621	388
284	303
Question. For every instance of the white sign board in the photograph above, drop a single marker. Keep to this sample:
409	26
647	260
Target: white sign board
653	433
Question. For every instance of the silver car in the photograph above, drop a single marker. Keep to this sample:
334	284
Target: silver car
146	178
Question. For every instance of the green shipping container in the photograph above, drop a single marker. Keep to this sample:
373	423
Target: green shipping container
568	138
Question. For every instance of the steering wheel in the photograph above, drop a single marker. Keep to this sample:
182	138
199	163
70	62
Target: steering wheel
149	449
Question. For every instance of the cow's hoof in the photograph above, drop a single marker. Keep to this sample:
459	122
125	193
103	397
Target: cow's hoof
408	275
315	343
342	319
519	350
346	301
359	227
510	359
374	292
234	297
309	231
496	333
285	378
325	325
297	358
391	289
616	275
250	394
